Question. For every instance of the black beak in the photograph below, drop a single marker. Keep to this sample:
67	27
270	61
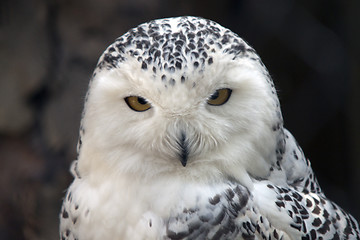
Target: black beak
184	149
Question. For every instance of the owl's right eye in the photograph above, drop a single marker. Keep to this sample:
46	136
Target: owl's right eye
137	103
219	97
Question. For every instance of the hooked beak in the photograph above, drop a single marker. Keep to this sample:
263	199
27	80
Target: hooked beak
183	145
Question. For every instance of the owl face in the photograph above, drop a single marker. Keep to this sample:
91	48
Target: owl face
214	113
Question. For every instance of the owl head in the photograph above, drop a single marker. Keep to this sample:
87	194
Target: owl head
182	97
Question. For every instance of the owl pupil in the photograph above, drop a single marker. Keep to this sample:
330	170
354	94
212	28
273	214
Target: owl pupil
142	101
215	95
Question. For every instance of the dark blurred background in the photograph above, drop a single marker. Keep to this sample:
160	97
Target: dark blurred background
49	48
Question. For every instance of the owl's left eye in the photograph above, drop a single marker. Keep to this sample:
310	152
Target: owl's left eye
137	103
219	97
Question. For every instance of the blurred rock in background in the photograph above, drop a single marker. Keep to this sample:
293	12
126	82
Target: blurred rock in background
49	48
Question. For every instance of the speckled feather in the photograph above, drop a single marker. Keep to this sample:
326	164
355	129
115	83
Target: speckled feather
279	198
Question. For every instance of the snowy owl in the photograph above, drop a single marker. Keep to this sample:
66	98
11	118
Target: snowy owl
182	137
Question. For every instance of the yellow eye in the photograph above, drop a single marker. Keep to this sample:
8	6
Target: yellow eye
219	97
138	104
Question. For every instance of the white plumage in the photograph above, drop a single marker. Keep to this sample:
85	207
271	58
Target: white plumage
182	138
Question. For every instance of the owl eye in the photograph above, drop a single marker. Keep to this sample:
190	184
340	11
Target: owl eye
138	104
219	97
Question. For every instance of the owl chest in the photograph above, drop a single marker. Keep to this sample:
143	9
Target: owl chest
124	210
